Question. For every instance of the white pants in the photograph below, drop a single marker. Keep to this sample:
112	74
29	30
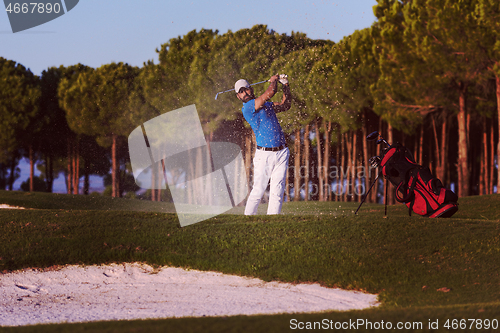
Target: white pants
268	165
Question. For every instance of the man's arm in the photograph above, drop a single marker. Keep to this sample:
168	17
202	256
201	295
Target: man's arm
286	102
268	94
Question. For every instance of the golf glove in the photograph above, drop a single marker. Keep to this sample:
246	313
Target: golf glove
283	79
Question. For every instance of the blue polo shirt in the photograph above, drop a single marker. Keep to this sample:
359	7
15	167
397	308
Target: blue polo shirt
265	124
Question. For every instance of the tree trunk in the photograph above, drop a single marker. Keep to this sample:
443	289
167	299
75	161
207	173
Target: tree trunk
190	175
497	79
320	163
209	166
485	168
49	172
436	156
346	177
76	169
32	169
86	178
366	164
287	188
198	187
73	163
3	176
439	150
463	157
481	176
492	158
70	173
307	163
482	167
338	161
158	183
326	161
470	153
415	148
421	146
248	157
444	149
114	169
296	173
355	180
153	184
46	161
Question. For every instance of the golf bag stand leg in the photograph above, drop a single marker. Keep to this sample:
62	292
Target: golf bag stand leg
385	196
366	195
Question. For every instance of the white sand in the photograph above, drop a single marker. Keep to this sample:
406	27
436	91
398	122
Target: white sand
5	206
137	291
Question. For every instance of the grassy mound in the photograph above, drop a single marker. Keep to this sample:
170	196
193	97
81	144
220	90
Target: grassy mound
421	268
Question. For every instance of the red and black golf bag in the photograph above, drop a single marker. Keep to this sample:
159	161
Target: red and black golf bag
415	185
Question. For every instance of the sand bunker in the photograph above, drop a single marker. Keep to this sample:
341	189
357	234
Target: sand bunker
5	206
137	291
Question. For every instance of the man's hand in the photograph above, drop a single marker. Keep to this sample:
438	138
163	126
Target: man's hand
283	78
274	78
286	102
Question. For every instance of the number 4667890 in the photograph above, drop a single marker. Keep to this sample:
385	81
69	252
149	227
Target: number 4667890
471	323
33	7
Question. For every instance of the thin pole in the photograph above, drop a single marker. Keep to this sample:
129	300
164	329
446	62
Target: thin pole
366	195
385	197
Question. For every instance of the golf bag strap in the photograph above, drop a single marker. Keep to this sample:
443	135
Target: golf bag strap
411	193
404	183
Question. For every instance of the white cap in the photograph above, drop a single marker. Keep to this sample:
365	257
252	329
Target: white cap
241	83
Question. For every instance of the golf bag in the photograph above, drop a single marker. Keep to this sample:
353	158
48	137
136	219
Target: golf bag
415	185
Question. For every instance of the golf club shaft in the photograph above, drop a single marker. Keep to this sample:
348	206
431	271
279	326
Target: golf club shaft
233	89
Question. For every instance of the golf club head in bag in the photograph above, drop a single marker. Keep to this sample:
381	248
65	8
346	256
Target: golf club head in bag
375	161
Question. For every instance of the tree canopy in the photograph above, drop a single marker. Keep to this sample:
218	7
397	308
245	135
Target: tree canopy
420	63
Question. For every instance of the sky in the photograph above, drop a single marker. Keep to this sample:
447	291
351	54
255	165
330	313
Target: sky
98	32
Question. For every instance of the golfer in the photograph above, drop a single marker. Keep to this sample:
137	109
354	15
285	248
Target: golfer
271	157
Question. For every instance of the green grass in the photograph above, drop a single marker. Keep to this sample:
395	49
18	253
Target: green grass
406	260
39	200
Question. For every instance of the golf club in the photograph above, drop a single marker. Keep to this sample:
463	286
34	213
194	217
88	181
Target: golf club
374	136
375	161
379	141
233	88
